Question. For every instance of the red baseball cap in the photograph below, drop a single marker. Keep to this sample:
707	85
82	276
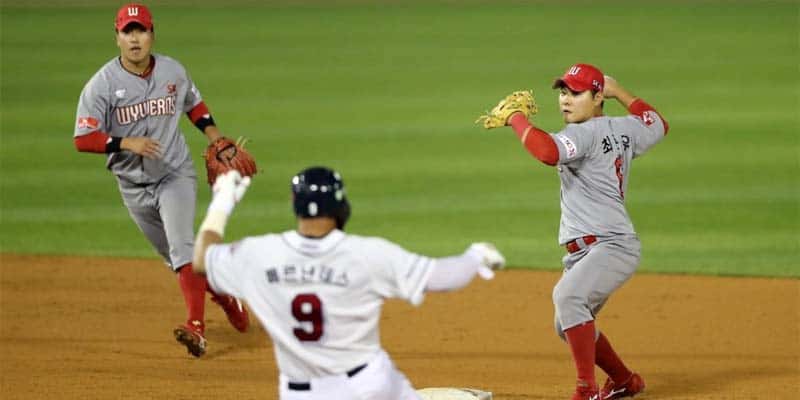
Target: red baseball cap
134	13
581	77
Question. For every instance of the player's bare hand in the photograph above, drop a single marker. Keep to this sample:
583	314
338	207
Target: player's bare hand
228	190
143	146
611	88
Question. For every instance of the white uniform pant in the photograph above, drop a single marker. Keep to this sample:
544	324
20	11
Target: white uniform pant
379	380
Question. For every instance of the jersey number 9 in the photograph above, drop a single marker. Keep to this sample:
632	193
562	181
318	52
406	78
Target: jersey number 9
307	307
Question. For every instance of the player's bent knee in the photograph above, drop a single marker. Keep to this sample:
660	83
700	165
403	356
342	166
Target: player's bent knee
566	302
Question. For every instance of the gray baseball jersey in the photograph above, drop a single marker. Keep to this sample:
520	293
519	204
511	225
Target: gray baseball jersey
160	194
123	104
594	163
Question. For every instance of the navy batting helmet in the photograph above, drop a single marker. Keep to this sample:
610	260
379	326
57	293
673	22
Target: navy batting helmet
319	192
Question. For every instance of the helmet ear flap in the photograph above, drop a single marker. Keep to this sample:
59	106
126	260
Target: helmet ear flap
342	215
319	192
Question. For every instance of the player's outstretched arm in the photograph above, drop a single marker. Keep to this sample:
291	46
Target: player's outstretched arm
228	190
451	273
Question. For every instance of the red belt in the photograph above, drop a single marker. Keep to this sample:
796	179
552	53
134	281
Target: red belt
576	244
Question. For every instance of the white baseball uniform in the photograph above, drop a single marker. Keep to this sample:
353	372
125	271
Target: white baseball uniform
320	300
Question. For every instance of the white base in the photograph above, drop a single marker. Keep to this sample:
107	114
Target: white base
453	394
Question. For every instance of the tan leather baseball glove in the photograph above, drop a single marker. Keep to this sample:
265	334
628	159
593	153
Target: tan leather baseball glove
520	101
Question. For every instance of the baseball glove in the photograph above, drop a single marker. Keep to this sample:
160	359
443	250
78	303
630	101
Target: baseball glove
521	101
223	155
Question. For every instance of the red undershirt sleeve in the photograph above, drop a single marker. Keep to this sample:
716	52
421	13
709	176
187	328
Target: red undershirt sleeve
97	142
639	107
538	142
200	116
198	112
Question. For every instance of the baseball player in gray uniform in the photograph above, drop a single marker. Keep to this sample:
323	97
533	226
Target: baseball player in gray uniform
130	111
318	291
593	155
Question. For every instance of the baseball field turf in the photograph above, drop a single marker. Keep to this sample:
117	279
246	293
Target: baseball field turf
387	94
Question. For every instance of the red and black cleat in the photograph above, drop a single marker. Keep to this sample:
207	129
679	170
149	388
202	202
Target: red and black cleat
191	336
629	388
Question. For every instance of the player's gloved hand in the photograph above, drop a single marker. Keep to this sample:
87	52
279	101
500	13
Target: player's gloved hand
228	190
491	258
520	101
223	155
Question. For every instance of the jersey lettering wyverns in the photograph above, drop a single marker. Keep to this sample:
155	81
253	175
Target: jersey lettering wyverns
152	107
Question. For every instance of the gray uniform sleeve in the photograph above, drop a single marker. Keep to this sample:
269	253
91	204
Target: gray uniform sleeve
93	106
574	143
645	132
193	97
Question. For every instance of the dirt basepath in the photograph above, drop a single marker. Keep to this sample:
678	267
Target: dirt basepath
100	328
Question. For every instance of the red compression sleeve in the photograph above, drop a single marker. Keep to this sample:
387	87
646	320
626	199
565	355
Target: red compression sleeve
639	107
536	141
94	142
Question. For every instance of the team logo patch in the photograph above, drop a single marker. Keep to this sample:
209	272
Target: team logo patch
87	123
120	93
649	117
569	145
171	88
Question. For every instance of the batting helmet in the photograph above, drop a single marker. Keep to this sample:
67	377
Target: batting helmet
319	192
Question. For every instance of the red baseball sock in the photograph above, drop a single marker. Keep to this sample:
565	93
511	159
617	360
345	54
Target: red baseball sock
608	360
581	342
194	294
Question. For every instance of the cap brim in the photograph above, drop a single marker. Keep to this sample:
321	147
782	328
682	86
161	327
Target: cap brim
561	83
147	25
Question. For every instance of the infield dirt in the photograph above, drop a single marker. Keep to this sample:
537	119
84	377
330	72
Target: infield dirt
101	328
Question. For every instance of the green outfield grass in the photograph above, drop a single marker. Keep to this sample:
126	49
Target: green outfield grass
387	95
